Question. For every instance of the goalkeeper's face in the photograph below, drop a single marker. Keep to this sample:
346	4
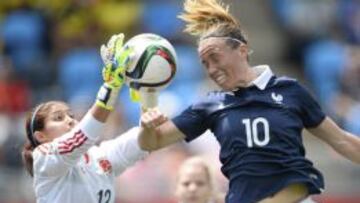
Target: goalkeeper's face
58	121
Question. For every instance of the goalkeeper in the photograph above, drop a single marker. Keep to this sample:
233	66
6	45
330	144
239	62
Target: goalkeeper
60	154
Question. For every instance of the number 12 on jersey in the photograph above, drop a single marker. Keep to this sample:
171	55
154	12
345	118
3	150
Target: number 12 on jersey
106	194
252	136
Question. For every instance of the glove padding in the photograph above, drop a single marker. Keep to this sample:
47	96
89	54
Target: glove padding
115	60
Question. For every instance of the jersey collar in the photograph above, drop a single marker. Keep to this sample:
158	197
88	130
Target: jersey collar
264	75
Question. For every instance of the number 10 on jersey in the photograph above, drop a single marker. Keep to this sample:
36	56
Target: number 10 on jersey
252	126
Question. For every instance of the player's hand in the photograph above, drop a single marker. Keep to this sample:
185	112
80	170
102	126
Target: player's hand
152	118
150	129
115	60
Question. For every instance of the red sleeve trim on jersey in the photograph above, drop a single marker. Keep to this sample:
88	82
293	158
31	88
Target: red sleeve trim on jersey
72	143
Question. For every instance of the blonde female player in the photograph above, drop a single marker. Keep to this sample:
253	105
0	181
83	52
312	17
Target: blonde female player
60	153
195	184
257	118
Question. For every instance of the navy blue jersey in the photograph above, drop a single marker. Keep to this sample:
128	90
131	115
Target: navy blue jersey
259	132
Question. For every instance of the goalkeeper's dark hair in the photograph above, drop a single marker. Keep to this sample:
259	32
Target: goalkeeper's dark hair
211	18
35	121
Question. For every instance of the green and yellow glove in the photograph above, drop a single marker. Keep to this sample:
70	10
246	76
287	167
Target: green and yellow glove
115	62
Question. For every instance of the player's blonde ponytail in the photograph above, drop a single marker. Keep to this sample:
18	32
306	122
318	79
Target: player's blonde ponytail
203	16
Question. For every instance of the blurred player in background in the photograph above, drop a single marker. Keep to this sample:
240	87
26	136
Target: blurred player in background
257	118
195	184
60	153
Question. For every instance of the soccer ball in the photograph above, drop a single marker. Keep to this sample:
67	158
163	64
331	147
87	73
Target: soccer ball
152	64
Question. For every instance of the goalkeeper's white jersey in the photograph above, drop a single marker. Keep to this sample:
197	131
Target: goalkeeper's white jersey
71	169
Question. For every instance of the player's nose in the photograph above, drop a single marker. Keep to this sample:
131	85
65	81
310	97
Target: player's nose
192	187
71	122
211	70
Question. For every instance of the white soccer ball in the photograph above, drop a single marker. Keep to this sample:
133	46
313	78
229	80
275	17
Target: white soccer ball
152	63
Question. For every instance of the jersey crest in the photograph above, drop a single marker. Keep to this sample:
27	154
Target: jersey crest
277	98
105	165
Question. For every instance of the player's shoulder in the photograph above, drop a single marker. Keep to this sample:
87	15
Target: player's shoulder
211	97
285	80
43	150
215	96
211	102
292	86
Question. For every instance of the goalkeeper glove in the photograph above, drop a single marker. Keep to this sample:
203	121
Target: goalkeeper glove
115	60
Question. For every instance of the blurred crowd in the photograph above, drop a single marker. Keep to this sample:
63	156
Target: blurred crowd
50	50
324	38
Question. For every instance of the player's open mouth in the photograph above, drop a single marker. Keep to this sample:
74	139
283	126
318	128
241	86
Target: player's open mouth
220	79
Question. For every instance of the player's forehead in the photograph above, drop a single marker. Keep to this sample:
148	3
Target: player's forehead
210	45
192	172
57	107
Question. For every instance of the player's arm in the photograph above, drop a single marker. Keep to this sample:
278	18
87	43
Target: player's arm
56	157
123	151
343	142
325	128
113	76
63	152
157	131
